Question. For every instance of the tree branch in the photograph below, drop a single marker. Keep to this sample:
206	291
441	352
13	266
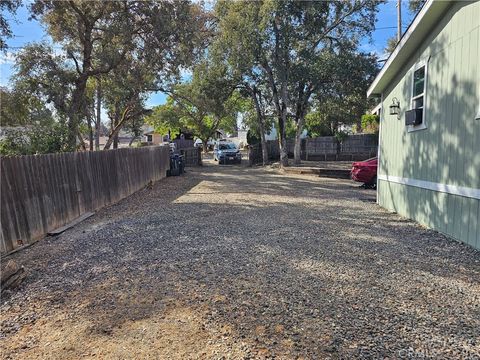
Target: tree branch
77	66
337	23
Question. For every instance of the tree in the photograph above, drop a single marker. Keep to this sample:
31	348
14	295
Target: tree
42	138
203	105
186	111
19	108
370	123
276	37
6	6
250	83
329	115
391	45
414	6
341	98
125	92
96	37
258	123
338	83
91	34
318	124
29	126
42	74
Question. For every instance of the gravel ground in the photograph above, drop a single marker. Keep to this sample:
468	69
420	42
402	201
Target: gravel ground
229	262
337	165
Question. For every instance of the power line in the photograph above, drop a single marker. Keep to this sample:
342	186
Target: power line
390	27
25	46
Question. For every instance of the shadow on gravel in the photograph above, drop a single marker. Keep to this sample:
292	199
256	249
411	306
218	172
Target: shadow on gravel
249	264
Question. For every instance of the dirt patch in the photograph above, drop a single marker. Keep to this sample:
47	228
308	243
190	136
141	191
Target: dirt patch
177	333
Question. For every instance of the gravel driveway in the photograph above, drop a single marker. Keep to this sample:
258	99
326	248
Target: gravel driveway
230	262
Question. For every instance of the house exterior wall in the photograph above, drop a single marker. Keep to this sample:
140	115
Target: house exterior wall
156	139
447	152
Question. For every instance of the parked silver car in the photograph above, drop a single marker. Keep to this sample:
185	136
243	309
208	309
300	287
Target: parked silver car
226	152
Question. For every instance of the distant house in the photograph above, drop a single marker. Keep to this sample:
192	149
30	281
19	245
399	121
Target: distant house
429	154
153	138
273	135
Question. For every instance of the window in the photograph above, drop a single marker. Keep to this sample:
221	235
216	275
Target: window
419	82
418	88
149	138
229	146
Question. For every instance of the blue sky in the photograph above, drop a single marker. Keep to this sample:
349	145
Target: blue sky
26	31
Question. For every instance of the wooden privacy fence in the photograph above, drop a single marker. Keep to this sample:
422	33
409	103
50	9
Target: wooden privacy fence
40	193
192	156
183	143
324	148
255	152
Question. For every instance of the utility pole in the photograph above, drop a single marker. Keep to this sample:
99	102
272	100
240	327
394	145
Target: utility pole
399	20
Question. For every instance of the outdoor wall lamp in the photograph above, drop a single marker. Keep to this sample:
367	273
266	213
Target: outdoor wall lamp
395	107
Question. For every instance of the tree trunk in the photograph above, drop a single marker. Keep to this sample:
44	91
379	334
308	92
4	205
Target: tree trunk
132	140
77	109
264	144
114	134
110	139
261	125
297	153
281	109
281	128
98	121
205	146
81	141
75	112
116	125
282	141
91	122
90	135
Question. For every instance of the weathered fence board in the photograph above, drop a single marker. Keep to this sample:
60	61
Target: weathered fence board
40	193
192	156
183	144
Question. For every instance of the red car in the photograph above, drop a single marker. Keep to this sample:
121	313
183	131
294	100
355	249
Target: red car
365	171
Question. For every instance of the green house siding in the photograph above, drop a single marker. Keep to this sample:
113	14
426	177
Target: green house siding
448	150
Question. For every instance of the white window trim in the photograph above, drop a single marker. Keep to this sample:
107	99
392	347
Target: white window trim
423	125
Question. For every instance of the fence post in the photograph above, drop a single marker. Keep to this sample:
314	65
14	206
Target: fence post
306	149
199	154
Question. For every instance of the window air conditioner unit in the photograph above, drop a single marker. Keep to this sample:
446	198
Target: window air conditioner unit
413	117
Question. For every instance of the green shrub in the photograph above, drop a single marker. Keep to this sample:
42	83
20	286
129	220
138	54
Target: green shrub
341	136
370	123
36	139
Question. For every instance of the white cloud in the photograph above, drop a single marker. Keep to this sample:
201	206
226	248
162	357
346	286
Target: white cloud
8	58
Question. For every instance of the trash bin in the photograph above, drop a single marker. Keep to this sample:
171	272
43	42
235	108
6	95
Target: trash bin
177	165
